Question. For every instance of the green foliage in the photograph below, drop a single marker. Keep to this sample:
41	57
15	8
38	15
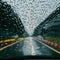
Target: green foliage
10	23
53	39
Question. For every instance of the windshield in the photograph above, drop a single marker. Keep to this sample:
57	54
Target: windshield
29	28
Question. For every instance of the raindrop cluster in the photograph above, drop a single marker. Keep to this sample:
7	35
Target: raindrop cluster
10	23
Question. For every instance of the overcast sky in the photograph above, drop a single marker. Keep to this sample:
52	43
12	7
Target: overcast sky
33	12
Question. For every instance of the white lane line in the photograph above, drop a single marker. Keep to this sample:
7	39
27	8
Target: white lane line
32	47
49	47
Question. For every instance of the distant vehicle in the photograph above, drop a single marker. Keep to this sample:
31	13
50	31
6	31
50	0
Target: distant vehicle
40	37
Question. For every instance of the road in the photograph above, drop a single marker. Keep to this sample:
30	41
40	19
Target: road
30	46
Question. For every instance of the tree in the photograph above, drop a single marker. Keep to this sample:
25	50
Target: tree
10	23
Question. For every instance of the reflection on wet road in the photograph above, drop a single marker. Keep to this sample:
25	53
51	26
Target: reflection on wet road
27	47
31	47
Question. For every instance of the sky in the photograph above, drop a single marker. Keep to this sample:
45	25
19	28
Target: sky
33	12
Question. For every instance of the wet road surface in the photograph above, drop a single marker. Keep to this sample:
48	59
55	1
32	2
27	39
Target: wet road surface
27	47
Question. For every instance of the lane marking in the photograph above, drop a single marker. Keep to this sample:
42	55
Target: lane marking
9	45
48	47
32	47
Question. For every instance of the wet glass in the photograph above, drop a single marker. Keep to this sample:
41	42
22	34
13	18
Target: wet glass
29	28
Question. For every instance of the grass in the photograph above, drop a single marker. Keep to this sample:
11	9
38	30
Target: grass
53	39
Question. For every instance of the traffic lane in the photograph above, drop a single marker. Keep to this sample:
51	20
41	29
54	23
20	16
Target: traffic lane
41	49
32	47
45	50
28	47
12	51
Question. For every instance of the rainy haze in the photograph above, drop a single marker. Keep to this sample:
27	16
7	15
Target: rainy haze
29	28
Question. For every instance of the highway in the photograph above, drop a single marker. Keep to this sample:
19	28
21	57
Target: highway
30	46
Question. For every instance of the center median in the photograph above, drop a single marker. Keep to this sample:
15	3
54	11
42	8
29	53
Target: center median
18	40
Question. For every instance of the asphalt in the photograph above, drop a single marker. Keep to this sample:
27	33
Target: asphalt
28	47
